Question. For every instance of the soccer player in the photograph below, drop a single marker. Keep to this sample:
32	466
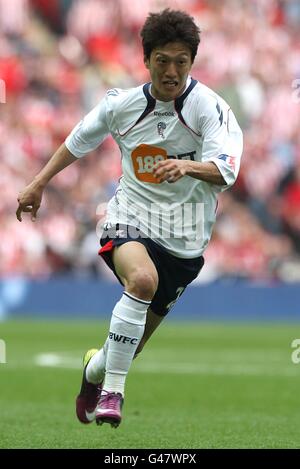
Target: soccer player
180	147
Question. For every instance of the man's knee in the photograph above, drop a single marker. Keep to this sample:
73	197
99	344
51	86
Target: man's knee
142	283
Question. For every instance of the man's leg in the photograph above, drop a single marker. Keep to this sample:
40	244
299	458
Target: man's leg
95	370
152	322
139	276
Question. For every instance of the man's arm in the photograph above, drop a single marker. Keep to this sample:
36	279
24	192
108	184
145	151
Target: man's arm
86	136
30	198
207	172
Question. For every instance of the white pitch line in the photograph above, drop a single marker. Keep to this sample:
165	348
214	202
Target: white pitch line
56	360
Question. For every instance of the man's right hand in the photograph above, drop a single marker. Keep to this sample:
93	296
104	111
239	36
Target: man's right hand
30	200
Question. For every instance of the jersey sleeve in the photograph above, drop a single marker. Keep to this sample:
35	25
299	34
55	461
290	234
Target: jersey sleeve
222	141
90	132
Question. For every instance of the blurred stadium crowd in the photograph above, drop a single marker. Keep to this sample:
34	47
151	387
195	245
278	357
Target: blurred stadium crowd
58	59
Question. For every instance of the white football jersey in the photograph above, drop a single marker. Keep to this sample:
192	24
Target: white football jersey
199	126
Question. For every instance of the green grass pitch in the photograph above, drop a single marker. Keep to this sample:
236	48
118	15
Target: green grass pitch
196	385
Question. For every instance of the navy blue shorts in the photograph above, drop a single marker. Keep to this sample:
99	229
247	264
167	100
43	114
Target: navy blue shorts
174	273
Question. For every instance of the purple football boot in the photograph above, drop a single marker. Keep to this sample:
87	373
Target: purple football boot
109	408
89	395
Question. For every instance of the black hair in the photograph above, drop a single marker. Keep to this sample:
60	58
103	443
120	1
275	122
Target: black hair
170	26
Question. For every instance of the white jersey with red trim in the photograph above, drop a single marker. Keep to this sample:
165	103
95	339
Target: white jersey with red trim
199	126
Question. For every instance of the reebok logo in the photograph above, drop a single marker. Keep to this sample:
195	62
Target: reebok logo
122	338
164	114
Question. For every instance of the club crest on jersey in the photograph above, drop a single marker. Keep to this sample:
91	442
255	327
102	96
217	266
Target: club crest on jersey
161	127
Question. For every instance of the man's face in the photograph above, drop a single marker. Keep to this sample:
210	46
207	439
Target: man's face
169	67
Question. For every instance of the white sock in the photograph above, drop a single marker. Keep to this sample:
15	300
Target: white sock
126	330
95	370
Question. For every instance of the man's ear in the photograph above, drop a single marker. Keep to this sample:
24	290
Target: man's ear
146	62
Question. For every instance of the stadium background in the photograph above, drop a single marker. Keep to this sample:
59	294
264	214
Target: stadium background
57	59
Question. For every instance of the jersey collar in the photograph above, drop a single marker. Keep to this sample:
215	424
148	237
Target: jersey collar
178	102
